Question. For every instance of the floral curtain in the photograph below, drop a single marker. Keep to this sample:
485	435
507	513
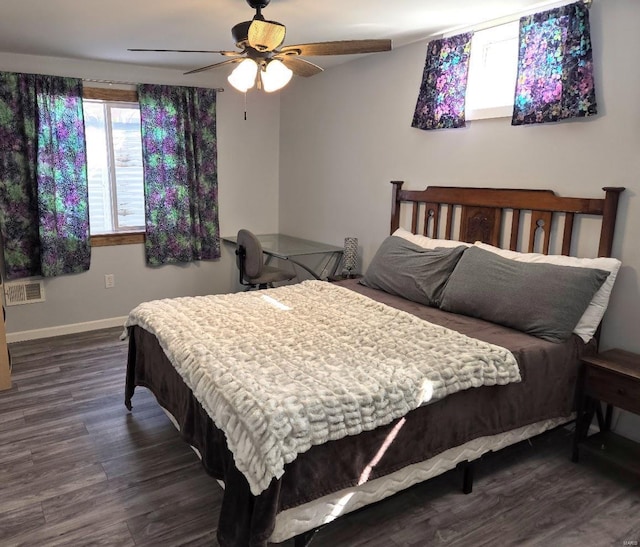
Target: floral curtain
44	218
179	151
555	67
441	101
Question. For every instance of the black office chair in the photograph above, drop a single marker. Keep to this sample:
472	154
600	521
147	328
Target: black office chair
254	273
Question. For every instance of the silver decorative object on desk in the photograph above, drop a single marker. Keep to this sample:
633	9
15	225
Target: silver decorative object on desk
350	255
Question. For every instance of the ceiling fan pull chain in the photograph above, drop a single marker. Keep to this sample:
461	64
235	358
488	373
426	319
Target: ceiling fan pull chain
245	106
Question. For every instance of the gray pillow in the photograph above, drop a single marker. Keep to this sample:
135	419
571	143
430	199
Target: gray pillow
544	300
404	269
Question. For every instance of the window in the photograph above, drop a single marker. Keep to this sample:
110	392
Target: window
493	68
114	166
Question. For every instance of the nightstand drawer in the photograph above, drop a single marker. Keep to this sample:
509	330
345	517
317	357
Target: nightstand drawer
620	391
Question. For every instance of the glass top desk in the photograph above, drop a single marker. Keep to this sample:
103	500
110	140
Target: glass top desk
291	248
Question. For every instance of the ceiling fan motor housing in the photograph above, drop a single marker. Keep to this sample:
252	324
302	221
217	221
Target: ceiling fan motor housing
240	33
258	4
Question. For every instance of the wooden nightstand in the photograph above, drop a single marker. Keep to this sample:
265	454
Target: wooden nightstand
611	377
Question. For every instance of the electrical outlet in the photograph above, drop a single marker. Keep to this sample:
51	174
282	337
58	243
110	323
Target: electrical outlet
109	281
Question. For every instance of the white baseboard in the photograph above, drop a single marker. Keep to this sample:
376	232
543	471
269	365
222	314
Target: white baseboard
65	329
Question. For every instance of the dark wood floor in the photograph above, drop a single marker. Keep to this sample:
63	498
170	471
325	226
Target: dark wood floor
77	469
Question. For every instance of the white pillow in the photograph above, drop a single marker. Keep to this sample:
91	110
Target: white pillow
427	242
592	316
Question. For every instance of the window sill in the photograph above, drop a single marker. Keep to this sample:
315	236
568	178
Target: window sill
106	240
489	113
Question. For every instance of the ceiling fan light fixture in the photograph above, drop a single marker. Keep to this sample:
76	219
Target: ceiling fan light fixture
275	76
243	76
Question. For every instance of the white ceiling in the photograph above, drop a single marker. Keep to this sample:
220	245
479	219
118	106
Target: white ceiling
99	30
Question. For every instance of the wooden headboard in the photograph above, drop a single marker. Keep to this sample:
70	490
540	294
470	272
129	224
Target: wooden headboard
483	213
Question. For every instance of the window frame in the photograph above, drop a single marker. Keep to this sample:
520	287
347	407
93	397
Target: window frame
123	237
484	38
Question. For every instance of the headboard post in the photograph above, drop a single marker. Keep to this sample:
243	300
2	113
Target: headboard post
612	194
395	205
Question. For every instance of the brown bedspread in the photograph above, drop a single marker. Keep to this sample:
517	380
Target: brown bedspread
549	371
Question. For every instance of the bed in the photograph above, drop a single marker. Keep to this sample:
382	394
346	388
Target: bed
333	472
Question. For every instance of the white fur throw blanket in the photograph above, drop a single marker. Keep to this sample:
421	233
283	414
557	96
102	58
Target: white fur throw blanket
284	369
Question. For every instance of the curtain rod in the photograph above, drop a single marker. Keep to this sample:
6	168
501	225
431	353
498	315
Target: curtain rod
117	82
510	18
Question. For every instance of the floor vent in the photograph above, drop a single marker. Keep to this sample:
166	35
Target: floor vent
23	292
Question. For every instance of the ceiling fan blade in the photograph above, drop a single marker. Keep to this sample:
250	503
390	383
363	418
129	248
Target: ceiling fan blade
215	65
265	35
227	53
342	47
300	67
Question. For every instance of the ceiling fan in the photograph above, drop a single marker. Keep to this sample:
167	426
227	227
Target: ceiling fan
268	65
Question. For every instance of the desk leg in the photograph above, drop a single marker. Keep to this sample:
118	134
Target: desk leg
338	256
304	267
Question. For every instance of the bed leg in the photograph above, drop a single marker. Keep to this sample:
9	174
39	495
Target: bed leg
304	539
467	479
128	393
130	379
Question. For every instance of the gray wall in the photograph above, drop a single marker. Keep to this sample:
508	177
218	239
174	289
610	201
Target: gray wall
248	156
346	133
